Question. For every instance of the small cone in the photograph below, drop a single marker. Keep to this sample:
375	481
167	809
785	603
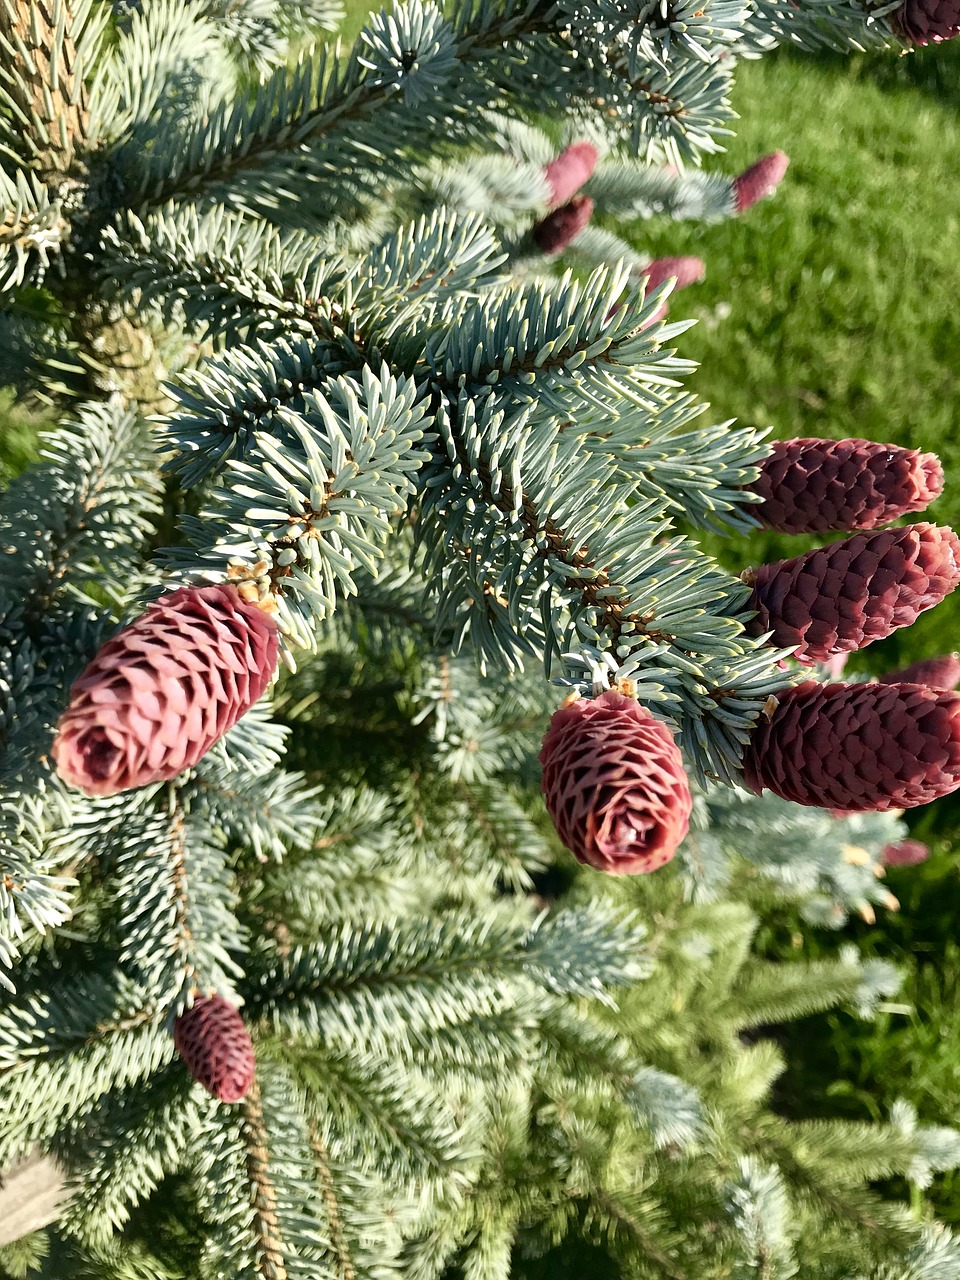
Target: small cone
213	1041
614	784
936	673
857	747
904	853
684	270
814	486
560	228
842	597
156	697
569	171
761	179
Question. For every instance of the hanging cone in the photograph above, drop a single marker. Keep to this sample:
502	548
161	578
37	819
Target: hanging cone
936	673
614	784
571	169
845	596
814	486
214	1043
157	696
857	747
761	179
927	21
560	228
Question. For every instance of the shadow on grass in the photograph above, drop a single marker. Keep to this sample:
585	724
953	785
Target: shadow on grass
934	70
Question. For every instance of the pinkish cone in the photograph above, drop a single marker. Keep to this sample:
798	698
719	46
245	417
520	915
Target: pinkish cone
156	697
213	1041
569	171
560	228
905	853
847	595
813	486
761	179
936	673
857	747
684	270
614	784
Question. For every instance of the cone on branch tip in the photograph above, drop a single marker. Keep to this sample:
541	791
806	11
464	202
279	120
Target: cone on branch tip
927	21
156	697
842	597
936	673
553	233
815	486
212	1039
614	784
856	748
904	853
761	179
569	171
683	271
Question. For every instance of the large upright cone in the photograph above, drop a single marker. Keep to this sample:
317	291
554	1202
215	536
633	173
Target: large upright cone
814	486
858	747
842	597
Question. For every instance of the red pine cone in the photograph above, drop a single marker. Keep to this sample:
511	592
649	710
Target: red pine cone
569	171
936	673
157	696
905	853
684	270
761	179
553	233
844	596
812	486
214	1043
858	747
614	784
923	21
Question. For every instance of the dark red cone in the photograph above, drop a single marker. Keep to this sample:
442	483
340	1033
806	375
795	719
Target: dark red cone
927	21
614	784
857	747
569	171
813	486
842	597
553	233
936	673
214	1043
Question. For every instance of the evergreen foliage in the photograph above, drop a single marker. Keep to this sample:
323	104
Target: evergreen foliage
448	471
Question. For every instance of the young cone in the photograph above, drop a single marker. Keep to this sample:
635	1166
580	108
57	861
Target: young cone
937	673
214	1043
858	747
614	784
560	228
569	171
814	486
904	853
157	696
761	179
842	597
927	21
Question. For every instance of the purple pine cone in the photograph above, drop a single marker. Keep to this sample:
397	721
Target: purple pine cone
843	597
812	486
935	673
761	179
927	21
553	233
857	747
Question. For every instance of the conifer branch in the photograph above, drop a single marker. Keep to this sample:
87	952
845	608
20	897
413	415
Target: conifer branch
270	1248
338	1240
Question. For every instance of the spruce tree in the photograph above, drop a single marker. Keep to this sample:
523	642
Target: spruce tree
298	980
